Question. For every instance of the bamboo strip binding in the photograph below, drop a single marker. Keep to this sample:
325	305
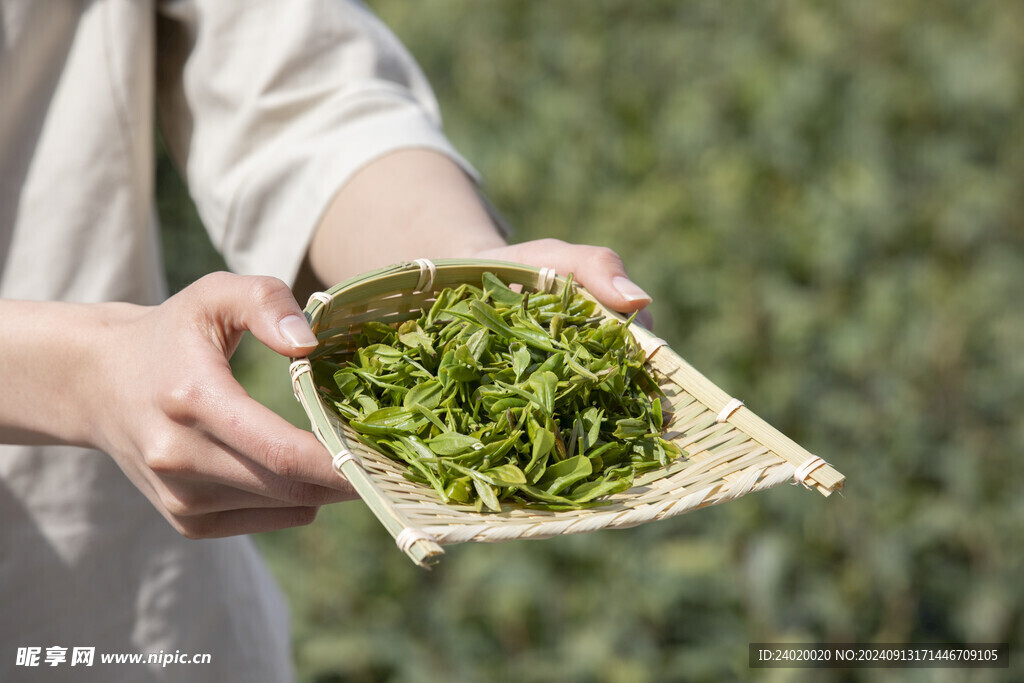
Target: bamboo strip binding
732	452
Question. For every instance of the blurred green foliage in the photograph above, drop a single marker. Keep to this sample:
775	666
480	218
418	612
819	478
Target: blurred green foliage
825	200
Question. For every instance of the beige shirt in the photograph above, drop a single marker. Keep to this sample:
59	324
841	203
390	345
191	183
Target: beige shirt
268	106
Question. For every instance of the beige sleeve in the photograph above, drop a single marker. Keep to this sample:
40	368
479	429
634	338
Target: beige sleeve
269	107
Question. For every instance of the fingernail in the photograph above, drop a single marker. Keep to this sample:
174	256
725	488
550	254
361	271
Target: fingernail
629	289
296	330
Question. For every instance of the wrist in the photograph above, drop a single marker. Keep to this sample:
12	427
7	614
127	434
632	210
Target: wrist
103	352
53	364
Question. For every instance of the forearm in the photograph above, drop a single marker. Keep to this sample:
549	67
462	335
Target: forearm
49	366
407	205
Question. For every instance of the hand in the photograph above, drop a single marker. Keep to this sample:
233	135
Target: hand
599	269
211	459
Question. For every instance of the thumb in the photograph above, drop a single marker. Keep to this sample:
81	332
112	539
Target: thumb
599	269
263	305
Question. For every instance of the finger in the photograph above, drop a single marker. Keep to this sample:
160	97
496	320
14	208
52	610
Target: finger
275	452
185	496
263	305
238	522
233	481
599	269
219	479
261	442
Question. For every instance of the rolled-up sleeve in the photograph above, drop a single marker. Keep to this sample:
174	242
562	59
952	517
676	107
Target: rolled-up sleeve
269	106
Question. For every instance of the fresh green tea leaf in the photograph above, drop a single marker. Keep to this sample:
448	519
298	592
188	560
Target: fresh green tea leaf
390	421
453	444
426	394
564	474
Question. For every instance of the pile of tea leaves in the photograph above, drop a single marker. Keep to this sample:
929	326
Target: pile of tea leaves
498	396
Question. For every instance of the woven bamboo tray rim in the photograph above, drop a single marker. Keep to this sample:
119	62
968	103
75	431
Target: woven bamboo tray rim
730	450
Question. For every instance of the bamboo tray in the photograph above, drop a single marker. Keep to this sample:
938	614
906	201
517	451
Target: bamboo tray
730	450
